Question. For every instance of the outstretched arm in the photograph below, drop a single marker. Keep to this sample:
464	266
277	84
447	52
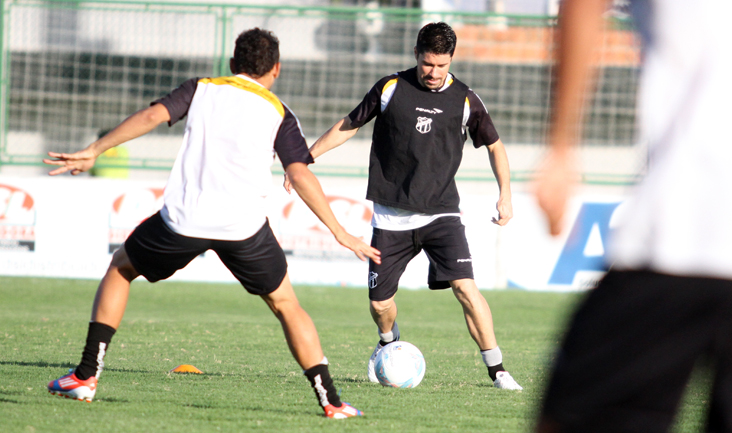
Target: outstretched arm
334	137
499	164
309	190
140	123
580	24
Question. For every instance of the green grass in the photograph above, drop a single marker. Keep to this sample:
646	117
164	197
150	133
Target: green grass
251	383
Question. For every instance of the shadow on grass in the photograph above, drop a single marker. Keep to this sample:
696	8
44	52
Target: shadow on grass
40	364
350	380
191	374
202	406
270	409
68	365
5	400
111	400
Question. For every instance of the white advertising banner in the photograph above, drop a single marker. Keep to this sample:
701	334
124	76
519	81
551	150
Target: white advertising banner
68	227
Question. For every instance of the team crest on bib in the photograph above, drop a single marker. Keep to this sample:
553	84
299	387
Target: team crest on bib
424	124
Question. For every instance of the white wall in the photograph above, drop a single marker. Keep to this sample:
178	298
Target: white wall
63	227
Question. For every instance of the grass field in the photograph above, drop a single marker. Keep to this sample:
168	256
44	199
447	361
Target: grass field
251	383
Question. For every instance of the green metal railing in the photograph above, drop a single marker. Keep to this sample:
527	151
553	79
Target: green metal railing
82	92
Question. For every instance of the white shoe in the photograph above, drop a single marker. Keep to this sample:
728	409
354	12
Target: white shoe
505	381
372	363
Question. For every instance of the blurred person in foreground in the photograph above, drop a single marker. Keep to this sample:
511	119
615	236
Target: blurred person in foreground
422	118
215	199
666	302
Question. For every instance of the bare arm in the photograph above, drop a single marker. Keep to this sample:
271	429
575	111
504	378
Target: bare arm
334	137
580	25
309	190
140	123
499	165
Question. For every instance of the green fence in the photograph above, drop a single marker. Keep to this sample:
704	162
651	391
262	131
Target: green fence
73	69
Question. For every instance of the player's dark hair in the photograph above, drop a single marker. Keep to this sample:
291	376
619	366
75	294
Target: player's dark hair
436	38
257	51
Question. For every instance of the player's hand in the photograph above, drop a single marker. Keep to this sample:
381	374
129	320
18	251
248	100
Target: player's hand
505	211
362	249
555	185
287	184
77	162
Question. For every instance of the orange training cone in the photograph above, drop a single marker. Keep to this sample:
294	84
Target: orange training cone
186	368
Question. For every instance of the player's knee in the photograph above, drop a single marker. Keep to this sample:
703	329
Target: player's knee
465	290
121	261
382	307
283	307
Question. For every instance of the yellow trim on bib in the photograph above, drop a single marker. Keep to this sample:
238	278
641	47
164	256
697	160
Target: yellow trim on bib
389	84
241	83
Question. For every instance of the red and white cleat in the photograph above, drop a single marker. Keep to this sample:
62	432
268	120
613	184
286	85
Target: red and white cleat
70	386
343	412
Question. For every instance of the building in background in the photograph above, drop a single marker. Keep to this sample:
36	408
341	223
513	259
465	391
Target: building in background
71	69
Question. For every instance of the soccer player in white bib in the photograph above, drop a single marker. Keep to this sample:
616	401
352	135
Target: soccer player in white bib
215	199
666	302
422	119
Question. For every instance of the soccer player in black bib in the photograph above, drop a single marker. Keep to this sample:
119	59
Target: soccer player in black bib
423	116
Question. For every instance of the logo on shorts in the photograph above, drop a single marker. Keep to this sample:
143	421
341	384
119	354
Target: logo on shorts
424	124
372	280
469	259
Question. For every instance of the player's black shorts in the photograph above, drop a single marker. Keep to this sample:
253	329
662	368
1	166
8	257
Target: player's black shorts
631	348
157	252
444	242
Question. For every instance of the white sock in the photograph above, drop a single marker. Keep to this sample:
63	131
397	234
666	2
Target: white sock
388	337
324	361
492	357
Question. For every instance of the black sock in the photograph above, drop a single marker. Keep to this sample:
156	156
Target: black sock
495	369
322	384
92	359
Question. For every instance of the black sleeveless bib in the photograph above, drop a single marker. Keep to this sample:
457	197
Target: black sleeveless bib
417	147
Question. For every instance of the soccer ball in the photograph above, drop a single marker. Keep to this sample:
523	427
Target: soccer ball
400	365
